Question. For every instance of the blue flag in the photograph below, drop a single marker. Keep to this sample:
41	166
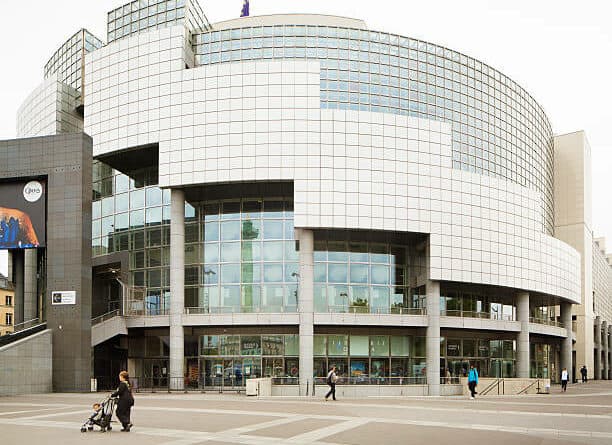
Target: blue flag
245	9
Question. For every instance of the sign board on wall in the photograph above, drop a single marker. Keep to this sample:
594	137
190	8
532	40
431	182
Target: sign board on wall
22	214
63	297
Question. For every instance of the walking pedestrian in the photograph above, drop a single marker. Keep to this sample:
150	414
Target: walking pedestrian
126	401
564	379
472	381
332	378
583	373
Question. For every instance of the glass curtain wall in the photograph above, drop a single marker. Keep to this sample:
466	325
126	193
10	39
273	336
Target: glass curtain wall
240	255
544	361
469	304
371	359
363	277
230	360
492	358
248	260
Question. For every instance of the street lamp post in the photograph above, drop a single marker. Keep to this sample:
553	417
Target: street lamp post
297	288
207	274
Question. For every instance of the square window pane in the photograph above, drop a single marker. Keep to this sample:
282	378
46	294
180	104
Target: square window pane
337	345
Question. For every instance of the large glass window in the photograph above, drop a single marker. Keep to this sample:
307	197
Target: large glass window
361	277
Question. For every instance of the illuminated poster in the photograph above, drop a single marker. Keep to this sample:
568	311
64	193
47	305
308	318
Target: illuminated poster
22	214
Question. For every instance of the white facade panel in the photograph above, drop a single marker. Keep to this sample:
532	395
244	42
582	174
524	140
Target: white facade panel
48	110
262	121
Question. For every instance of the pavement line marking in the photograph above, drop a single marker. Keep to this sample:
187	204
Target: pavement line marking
259	426
374	406
488	399
57	405
64	413
26	411
327	431
313	436
181	437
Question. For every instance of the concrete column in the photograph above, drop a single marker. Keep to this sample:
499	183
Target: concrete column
17	261
609	352
433	337
177	288
566	343
30	285
597	348
522	347
306	308
605	348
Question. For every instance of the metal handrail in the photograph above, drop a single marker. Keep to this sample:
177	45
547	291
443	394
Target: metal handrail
475	314
493	384
104	317
26	324
524	390
546	321
344	309
239	310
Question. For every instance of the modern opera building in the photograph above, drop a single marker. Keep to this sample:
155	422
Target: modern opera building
276	194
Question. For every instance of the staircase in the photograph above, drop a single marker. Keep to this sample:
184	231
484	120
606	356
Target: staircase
106	327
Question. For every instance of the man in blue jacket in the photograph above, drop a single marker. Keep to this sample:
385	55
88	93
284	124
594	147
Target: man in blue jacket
472	380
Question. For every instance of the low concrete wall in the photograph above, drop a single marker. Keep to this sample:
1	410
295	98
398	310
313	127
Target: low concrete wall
360	391
507	386
27	365
259	387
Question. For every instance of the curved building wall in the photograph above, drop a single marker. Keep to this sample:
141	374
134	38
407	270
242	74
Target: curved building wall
263	121
49	109
498	129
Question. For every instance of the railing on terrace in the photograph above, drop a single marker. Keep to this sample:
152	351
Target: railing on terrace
546	321
340	309
104	317
476	314
370	380
147	312
294	309
26	325
240	310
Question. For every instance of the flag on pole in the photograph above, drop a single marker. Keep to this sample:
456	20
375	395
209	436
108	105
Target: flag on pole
245	9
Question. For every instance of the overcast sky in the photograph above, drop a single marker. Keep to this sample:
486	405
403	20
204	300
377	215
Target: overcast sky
559	51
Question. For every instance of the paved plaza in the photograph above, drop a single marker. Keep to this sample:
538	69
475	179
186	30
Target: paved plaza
581	416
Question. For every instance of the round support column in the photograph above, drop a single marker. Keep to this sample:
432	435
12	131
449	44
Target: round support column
597	347
433	337
306	309
522	312
605	350
566	344
177	288
609	352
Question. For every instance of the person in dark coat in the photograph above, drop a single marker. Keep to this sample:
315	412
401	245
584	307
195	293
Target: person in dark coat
126	401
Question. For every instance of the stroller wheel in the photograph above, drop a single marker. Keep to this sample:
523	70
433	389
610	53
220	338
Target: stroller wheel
83	429
90	428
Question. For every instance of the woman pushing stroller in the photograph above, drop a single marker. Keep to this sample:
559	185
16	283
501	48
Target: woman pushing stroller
125	402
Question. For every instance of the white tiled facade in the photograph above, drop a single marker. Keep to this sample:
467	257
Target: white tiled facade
351	170
261	121
50	109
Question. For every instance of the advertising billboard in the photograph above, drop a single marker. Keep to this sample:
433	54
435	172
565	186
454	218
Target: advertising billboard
22	214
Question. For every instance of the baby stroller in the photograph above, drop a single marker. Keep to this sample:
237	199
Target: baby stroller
102	417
